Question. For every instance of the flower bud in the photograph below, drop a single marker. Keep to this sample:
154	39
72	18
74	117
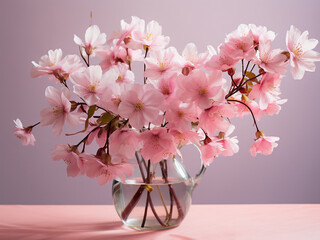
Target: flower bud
185	71
207	140
259	134
127	40
100	152
261	71
88	49
221	135
74	106
287	54
231	71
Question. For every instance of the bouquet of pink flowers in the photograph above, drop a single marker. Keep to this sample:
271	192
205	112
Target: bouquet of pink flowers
181	99
184	98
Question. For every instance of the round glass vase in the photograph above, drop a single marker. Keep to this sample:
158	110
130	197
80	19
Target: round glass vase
156	196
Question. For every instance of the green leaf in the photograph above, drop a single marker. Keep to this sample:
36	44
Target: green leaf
250	75
91	111
105	118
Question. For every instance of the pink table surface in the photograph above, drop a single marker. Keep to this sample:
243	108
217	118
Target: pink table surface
240	222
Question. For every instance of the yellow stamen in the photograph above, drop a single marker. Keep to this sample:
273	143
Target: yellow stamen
165	91
139	106
149	37
180	114
162	66
203	91
298	50
116	101
56	111
92	88
119	79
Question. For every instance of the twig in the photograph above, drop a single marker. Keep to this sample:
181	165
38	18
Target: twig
254	119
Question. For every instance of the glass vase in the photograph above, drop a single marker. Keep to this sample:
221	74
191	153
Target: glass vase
156	196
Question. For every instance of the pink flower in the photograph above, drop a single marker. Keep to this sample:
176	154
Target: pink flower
180	116
263	144
105	168
141	104
162	63
158	144
152	38
184	138
242	110
125	34
229	145
302	57
241	40
274	107
23	133
193	59
100	134
166	86
260	32
271	60
112	96
226	58
53	64
59	110
93	40
209	151
202	89
212	119
124	142
266	90
121	74
112	56
70	155
89	84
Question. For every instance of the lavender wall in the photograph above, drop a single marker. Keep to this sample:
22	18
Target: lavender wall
30	28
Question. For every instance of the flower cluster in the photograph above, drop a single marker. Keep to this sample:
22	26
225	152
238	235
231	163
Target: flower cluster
187	98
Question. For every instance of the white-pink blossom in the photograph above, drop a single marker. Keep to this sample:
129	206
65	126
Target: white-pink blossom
152	38
271	60
302	57
141	104
201	89
124	142
105	168
23	133
158	144
229	144
242	41
125	34
94	40
121	74
180	115
267	90
59	111
263	144
209	151
70	155
212	119
163	63
90	84
192	59
225	59
54	65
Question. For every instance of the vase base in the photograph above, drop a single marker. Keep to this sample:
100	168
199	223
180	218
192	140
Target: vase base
151	225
